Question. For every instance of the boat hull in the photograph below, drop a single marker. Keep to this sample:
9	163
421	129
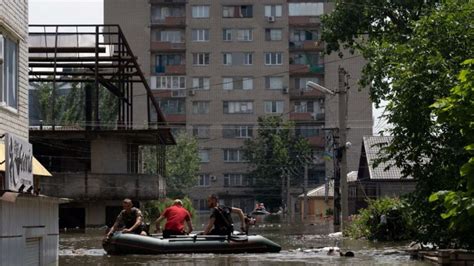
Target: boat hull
137	244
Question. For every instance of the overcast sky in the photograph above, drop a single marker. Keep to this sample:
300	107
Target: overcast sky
66	12
92	12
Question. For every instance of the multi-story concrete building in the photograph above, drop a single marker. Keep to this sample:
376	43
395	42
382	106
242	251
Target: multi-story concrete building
216	66
28	221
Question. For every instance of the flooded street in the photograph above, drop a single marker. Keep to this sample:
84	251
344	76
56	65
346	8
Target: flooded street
300	243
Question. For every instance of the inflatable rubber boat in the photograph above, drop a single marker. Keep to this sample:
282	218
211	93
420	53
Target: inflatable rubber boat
136	244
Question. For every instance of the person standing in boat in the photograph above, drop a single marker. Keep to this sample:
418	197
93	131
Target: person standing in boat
175	217
130	218
220	222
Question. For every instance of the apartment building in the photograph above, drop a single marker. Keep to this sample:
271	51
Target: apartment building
216	66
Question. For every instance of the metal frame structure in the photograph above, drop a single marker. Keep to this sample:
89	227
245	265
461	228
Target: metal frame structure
98	55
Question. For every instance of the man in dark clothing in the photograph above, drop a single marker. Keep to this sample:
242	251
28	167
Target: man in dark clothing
130	218
220	222
175	217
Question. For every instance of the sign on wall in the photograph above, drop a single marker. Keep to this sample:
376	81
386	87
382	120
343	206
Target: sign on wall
18	163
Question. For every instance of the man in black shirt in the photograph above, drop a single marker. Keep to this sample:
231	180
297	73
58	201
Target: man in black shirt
130	218
220	222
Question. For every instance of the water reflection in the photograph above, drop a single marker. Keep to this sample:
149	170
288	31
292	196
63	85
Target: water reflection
301	245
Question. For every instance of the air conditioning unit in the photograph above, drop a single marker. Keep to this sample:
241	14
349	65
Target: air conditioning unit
192	92
213	178
285	90
1	48
271	19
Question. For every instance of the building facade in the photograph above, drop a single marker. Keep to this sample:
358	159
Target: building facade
28	222
216	66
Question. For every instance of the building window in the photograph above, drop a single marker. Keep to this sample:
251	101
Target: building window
300	83
274	107
200	11
244	35
273	58
234	180
204	155
171	36
200	35
201	131
227	34
238	107
297	35
172	106
237	83
227	83
201	83
307	131
168	82
237	131
204	180
201	59
248	59
304	107
233	155
274	82
273	10
9	73
305	9
227	59
201	107
247	83
273	34
240	11
160	13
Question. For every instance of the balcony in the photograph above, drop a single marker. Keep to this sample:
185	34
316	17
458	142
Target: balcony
308	45
157	46
176	118
169	93
307	116
316	141
304	21
168	2
302	69
305	94
171	70
170	22
80	185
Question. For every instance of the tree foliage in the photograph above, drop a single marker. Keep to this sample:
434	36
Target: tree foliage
275	152
182	164
396	224
458	109
414	50
68	104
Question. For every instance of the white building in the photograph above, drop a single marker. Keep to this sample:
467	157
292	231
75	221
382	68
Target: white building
28	222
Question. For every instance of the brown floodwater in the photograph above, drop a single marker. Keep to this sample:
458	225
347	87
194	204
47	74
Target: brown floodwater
301	245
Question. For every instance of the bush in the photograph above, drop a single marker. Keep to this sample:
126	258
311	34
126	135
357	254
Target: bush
385	219
152	209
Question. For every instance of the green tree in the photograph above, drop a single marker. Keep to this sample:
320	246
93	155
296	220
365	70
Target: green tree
457	109
182	164
272	154
414	51
69	104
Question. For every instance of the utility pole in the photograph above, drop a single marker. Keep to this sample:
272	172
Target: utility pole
342	145
288	197
305	189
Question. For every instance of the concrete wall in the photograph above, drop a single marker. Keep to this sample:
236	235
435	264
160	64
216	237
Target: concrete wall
102	186
317	206
26	218
133	16
14	25
109	156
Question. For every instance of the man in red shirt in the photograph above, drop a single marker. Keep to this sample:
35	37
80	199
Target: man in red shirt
175	217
